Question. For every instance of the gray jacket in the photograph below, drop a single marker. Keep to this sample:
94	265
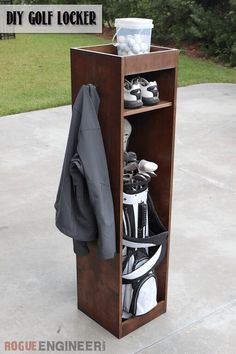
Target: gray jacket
84	206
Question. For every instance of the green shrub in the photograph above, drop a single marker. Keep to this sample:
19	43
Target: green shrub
210	23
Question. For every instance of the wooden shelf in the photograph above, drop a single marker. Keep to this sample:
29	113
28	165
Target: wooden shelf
132	111
138	321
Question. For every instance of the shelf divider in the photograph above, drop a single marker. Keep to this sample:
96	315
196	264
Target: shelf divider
139	321
133	111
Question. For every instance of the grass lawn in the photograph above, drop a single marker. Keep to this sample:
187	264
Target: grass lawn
35	70
196	71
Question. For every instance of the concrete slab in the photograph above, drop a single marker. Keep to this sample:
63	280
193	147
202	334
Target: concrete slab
211	334
38	290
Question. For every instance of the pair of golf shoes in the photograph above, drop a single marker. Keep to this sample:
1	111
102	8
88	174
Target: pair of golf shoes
139	92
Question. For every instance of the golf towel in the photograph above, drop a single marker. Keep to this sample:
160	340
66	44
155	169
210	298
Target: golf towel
84	206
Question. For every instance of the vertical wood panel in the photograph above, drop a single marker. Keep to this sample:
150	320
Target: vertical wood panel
99	282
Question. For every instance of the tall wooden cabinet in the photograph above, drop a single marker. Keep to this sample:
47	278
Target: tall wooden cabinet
99	282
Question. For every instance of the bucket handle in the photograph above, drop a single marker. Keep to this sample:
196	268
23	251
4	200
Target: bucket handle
113	38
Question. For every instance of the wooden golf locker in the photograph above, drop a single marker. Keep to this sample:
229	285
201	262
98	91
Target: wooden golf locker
99	282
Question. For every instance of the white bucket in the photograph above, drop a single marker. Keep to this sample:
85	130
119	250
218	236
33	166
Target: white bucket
133	35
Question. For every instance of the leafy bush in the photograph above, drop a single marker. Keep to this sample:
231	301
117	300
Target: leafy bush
210	23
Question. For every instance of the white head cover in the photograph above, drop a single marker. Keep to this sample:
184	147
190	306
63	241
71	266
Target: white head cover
127	132
147	166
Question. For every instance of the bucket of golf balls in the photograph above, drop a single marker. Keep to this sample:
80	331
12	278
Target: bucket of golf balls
133	36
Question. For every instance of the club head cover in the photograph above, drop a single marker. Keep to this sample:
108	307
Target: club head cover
127	133
147	166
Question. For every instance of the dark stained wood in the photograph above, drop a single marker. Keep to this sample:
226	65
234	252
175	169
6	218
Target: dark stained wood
98	287
99	282
136	322
155	48
160	58
105	49
174	88
111	49
151	140
161	104
156	60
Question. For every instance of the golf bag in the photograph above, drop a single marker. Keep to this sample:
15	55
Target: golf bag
144	247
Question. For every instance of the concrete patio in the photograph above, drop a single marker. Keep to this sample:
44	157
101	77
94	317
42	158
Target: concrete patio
37	279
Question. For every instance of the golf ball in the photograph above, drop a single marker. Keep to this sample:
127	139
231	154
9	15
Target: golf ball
137	38
127	38
136	48
131	42
123	46
143	47
121	39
